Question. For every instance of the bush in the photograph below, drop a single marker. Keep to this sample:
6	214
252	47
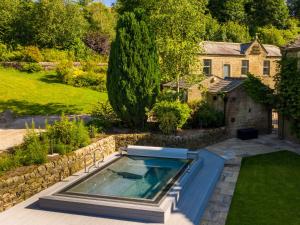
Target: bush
206	116
7	162
168	123
55	55
179	110
98	42
3	52
31	67
32	54
64	68
34	149
103	116
85	76
71	133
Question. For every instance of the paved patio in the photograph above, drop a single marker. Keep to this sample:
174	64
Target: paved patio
26	213
234	150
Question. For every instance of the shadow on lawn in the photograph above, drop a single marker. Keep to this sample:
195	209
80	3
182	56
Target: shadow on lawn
51	79
30	108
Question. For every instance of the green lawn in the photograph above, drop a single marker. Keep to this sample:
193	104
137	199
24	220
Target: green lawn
42	94
268	191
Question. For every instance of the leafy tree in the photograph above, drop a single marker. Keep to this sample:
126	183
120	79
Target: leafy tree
22	25
235	32
272	35
133	76
8	12
178	25
102	19
234	10
270	12
58	23
149	6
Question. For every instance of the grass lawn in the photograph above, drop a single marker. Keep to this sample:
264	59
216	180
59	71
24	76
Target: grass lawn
42	94
268	191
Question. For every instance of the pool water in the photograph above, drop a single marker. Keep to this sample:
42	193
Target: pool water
131	177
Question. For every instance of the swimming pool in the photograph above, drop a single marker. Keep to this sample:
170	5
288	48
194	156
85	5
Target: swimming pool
130	178
146	184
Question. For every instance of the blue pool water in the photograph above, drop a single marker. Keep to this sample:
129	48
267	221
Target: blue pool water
131	177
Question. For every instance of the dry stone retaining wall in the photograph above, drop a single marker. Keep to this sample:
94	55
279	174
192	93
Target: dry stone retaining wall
22	183
20	186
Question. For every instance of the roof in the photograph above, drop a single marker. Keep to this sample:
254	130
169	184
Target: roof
293	45
213	83
238	49
225	85
182	84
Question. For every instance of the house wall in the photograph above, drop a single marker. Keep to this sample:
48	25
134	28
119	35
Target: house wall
256	62
242	112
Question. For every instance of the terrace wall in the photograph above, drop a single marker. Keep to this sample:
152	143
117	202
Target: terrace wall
22	183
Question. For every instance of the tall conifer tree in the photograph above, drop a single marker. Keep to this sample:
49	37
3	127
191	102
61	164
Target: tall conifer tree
133	77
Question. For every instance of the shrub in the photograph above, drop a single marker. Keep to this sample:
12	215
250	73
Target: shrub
32	54
98	42
86	76
71	133
55	55
7	162
180	110
3	52
64	68
206	116
31	67
34	149
103	116
168	123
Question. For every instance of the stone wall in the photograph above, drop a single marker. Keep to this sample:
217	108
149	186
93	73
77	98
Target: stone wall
196	140
19	185
243	112
22	183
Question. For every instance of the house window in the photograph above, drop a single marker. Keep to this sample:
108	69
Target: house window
266	67
245	67
207	66
226	70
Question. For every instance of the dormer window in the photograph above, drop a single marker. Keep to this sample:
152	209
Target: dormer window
267	66
207	66
245	67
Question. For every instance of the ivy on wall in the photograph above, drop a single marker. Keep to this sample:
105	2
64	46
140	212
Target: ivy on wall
258	91
288	91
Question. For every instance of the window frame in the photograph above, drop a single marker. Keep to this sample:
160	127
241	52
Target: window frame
229	70
245	67
209	67
268	68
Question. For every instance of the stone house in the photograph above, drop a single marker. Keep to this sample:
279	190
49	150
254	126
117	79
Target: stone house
226	65
225	59
229	96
